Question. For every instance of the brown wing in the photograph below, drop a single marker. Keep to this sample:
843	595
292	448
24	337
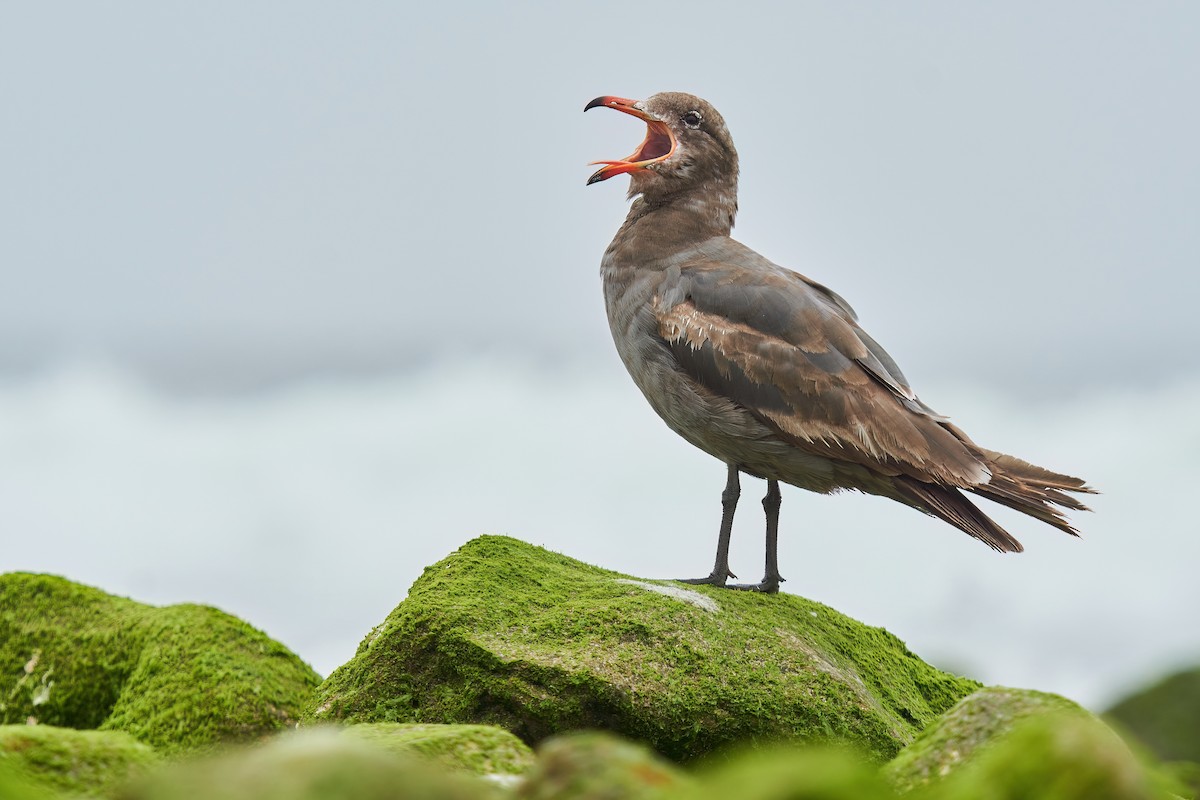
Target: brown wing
790	352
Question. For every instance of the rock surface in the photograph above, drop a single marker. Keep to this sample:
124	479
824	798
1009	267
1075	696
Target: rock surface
790	773
600	766
505	633
310	765
982	718
178	677
1055	757
483	750
82	764
15	784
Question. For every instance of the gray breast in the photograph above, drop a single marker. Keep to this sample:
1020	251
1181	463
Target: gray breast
711	422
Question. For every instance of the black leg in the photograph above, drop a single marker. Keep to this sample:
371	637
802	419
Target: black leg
729	500
772	578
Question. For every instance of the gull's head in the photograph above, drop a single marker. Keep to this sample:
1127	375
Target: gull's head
686	144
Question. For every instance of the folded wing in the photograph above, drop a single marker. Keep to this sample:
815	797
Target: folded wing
784	349
792	353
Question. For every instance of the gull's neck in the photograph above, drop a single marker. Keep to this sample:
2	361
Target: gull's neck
659	226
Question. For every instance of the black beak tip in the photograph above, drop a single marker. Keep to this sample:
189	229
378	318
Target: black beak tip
596	177
599	101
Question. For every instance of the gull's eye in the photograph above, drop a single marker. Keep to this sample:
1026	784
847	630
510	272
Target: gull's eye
692	119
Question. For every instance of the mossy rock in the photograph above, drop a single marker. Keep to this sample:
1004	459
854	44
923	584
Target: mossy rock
789	773
594	765
16	784
1056	757
505	633
478	749
1165	716
178	677
309	765
981	718
1187	773
81	764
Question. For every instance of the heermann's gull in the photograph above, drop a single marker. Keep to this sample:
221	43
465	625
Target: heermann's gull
768	370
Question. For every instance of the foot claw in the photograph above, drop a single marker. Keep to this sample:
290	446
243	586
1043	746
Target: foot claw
712	580
767	586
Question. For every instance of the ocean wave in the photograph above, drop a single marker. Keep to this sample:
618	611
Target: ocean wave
310	509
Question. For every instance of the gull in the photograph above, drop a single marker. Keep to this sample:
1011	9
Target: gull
769	371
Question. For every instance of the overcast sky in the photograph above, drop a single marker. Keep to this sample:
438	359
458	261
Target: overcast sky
232	193
375	216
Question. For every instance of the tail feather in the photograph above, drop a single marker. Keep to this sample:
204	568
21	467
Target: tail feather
1033	490
949	504
1031	474
1028	488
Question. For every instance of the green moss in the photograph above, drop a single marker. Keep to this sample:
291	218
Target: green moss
79	763
311	765
209	677
599	766
177	677
1056	757
505	633
1187	773
1165	716
477	749
983	717
788	773
70	646
16	784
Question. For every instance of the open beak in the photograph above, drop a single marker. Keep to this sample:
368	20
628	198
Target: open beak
658	145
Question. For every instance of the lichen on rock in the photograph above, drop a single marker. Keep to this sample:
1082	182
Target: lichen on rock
502	632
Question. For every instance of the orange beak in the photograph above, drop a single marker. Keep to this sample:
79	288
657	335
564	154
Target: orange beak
658	145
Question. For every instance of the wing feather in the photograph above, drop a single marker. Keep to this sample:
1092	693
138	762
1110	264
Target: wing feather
794	357
791	352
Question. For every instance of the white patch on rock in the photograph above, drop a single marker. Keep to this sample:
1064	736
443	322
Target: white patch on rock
375	633
701	601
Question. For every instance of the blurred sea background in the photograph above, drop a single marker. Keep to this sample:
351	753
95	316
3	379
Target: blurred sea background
297	298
